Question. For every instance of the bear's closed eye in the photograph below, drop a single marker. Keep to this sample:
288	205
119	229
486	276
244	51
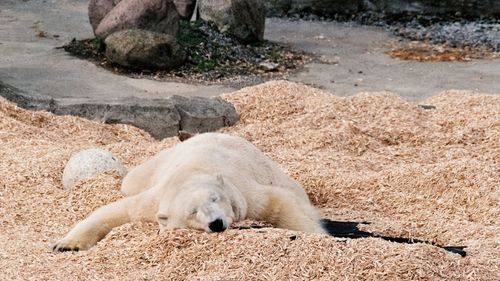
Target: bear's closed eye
162	217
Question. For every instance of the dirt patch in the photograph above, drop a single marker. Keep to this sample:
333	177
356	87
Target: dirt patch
430	174
213	57
424	51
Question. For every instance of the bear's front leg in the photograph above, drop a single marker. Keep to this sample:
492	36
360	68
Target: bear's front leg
92	229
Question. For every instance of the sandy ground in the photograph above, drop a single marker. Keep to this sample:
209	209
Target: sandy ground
427	174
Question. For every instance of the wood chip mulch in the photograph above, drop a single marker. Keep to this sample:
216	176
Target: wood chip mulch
431	174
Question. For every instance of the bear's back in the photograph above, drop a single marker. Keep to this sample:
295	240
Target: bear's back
235	158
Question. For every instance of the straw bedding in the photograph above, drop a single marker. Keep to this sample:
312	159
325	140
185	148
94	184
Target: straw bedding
427	174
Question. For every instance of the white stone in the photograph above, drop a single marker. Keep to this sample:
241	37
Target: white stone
268	66
88	163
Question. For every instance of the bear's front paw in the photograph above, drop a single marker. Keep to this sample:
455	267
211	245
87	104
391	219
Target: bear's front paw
68	244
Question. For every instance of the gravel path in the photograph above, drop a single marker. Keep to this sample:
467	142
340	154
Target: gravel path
455	34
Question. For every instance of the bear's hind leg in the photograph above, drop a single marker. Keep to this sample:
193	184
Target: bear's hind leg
138	179
285	210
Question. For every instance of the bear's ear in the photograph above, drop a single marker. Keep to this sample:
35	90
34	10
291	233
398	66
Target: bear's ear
162	219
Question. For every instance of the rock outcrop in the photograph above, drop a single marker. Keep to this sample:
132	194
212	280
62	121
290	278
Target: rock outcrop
244	19
142	49
108	16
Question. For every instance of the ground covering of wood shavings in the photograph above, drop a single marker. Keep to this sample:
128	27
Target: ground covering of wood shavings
427	174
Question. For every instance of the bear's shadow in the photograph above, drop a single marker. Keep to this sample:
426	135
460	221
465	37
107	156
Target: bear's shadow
350	229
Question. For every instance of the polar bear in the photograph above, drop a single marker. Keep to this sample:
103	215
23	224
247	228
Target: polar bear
206	183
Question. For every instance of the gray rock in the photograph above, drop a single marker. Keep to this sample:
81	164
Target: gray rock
244	19
144	49
26	100
88	163
154	15
185	8
268	66
98	9
200	114
159	117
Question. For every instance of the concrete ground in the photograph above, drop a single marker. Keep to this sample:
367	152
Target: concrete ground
352	59
32	64
358	62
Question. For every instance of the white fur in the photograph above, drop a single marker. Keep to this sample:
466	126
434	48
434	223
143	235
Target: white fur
209	176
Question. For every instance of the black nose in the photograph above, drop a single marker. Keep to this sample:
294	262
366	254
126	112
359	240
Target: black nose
217	225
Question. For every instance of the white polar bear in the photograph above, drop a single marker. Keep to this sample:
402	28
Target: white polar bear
204	183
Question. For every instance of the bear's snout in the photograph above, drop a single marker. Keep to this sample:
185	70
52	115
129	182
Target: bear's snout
217	225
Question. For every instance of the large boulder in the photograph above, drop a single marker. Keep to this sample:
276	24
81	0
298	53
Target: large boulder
185	8
199	114
154	15
159	117
98	9
244	19
142	49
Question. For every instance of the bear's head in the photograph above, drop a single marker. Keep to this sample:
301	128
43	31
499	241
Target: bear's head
202	204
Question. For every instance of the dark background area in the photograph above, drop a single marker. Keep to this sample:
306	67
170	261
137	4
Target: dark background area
388	9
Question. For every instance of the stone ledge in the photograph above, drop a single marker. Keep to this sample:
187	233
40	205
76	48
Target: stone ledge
160	117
